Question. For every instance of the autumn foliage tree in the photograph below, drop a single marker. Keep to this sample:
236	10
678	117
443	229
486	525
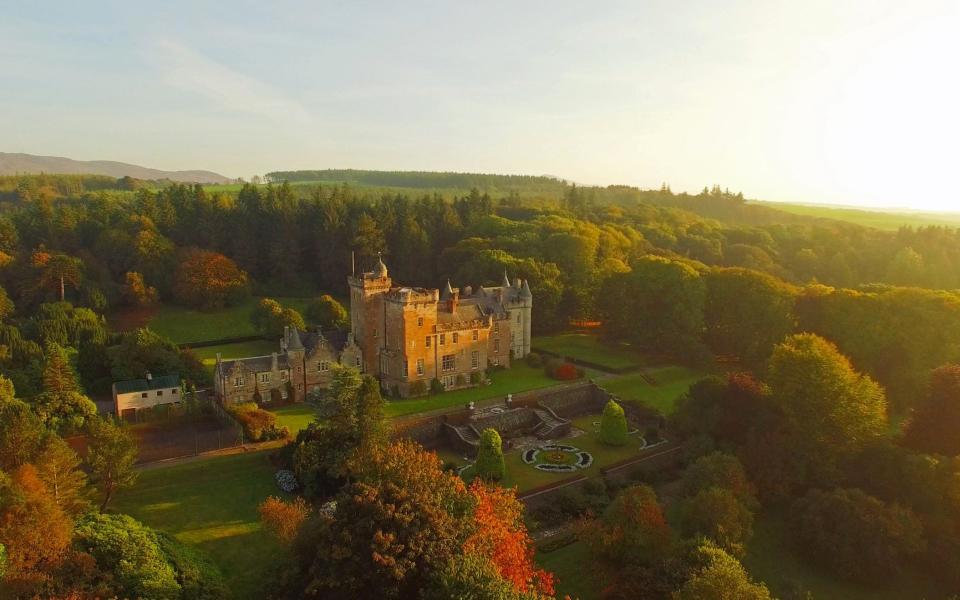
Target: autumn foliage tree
500	535
136	292
208	280
283	519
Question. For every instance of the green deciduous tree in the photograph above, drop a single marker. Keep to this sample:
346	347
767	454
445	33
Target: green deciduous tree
269	318
489	464
326	312
934	426
111	456
717	514
613	425
856	535
720	577
747	313
833	409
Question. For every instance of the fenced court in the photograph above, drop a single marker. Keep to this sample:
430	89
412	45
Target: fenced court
186	436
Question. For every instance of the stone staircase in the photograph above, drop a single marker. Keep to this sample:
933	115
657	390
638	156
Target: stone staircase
551	426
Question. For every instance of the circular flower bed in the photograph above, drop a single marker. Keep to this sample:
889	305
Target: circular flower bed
557	458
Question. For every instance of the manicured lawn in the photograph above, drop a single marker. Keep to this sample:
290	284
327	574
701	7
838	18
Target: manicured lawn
208	354
295	416
570	566
671	383
212	504
771	558
184	325
589	348
525	477
518	378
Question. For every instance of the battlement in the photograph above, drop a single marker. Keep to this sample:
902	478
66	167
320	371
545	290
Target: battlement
413	295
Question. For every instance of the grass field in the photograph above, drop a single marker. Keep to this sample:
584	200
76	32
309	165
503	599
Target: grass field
887	220
589	348
212	504
184	325
772	559
295	416
518	378
208	354
570	567
671	383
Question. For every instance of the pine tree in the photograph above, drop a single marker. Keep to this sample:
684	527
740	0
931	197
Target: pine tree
490	465
58	374
371	424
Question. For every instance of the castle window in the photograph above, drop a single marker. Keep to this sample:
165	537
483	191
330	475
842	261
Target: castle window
405	367
443	338
420	367
283	393
324	366
456	337
449	362
413	343
518	317
496	345
476	334
358	361
159	392
474	360
427	341
143	395
238	381
264	377
299	387
284	375
496	327
419	321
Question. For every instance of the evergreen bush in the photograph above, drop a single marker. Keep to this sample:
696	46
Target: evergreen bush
435	386
613	425
490	465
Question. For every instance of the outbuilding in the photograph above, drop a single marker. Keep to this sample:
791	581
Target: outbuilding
130	397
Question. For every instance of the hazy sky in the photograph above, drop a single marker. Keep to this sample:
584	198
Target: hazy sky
817	101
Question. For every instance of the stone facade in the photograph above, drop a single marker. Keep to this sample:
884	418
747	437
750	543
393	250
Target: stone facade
303	364
410	336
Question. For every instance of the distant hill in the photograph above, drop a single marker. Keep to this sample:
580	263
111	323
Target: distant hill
17	163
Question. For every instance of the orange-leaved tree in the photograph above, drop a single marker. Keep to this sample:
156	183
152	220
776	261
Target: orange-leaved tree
208	280
283	519
501	536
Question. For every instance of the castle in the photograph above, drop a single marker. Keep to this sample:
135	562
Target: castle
405	336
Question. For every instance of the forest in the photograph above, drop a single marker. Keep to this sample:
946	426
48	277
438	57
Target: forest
841	341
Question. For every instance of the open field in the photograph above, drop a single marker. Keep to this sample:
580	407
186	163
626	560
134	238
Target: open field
888	220
518	378
185	325
671	383
295	416
587	347
771	558
570	567
212	504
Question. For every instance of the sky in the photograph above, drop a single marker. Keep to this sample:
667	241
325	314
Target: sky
852	103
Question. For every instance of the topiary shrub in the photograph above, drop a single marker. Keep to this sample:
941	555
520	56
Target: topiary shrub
490	465
613	425
417	388
435	386
476	378
461	380
534	360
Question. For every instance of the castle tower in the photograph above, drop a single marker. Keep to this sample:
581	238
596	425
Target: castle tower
367	322
293	347
518	300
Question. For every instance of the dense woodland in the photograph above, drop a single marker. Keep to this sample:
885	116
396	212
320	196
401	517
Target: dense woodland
839	331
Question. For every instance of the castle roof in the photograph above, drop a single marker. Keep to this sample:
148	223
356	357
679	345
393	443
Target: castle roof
380	269
257	364
447	292
506	280
525	292
293	339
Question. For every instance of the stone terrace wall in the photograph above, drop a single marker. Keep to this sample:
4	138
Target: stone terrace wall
575	401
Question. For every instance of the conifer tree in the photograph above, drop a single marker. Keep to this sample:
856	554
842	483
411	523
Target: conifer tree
58	374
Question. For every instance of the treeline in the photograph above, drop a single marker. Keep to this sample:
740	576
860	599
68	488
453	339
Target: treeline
423	179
